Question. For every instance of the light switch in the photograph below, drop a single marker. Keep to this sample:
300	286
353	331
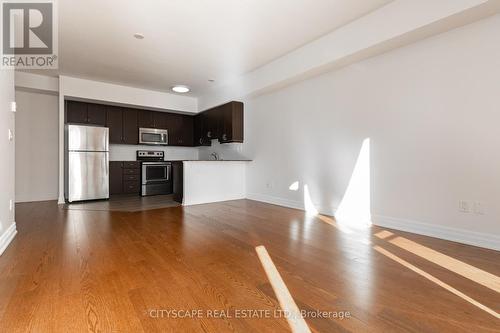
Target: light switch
13	106
11	135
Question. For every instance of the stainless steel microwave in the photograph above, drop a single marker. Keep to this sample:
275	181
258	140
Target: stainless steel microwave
153	136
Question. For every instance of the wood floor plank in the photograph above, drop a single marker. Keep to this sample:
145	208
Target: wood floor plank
117	268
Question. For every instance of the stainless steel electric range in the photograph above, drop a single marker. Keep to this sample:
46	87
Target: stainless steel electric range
156	173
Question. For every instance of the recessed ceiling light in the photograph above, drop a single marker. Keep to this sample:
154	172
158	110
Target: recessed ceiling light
180	89
138	35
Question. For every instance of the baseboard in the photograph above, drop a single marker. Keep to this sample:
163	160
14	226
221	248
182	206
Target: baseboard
7	237
27	200
474	238
325	210
468	237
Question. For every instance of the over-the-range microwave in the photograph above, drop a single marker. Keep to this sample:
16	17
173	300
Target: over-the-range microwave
153	136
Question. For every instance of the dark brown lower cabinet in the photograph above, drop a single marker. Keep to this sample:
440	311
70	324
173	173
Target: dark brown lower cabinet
115	177
124	177
177	176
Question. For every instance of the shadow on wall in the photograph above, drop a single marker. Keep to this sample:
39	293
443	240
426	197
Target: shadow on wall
354	210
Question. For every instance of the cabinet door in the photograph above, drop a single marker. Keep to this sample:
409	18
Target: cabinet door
96	114
174	124
145	119
178	178
114	120
115	178
200	138
237	122
187	127
211	123
131	187
130	128
231	122
76	112
160	120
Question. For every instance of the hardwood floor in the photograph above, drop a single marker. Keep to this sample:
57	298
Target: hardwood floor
104	271
126	203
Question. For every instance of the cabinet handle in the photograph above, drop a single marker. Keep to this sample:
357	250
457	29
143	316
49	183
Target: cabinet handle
201	140
224	137
209	134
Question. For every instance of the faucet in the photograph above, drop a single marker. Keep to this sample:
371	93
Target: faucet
215	156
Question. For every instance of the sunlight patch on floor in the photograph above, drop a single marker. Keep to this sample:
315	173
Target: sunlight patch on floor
459	267
294	317
435	280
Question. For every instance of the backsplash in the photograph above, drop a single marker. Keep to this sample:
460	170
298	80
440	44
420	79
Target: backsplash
128	152
226	151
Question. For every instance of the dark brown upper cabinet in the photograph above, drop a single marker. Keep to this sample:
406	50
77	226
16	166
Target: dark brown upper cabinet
180	129
85	113
224	122
76	112
96	114
114	120
213	123
231	121
146	119
186	131
161	120
200	132
122	123
130	127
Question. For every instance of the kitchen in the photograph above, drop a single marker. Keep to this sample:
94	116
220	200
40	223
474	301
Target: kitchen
330	160
151	173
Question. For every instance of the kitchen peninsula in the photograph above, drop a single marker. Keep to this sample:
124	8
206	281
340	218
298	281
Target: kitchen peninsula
205	181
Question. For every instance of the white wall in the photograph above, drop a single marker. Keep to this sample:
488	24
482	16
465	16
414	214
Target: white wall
7	151
36	146
128	152
431	110
400	22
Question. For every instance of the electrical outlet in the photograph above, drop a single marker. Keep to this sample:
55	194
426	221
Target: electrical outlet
478	208
270	184
11	135
464	206
13	106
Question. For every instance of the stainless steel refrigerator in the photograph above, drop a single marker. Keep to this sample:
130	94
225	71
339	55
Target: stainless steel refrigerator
87	163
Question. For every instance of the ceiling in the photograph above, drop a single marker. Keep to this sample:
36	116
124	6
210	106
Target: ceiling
190	41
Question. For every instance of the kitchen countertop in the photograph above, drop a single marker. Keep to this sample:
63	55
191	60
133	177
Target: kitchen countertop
210	161
188	161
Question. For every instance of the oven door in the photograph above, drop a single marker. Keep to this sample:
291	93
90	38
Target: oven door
155	172
153	136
